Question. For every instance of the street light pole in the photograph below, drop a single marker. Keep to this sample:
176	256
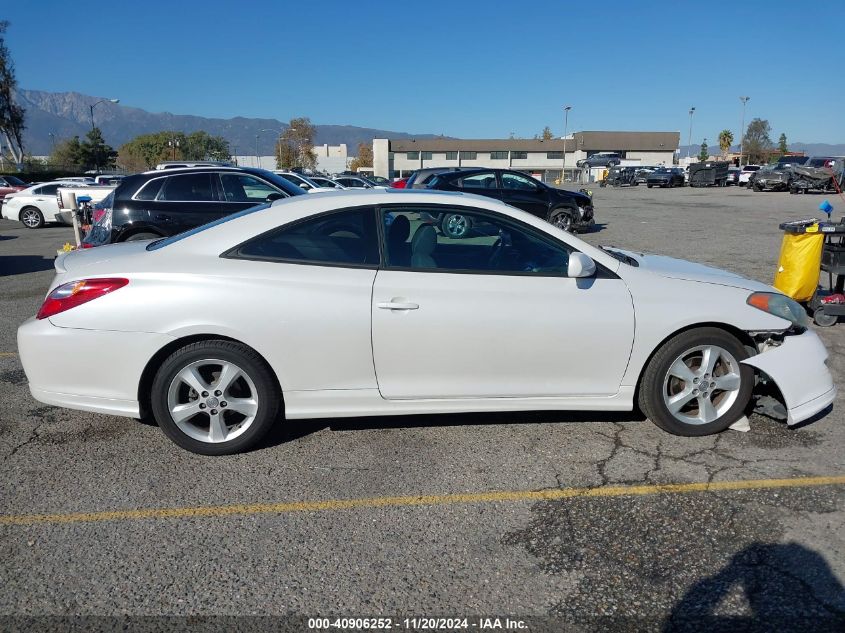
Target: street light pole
742	128
94	105
566	110
280	131
256	151
689	138
52	141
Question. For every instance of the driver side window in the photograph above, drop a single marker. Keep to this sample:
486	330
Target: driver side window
464	240
243	188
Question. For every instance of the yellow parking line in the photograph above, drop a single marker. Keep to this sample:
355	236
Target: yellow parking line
6	354
420	500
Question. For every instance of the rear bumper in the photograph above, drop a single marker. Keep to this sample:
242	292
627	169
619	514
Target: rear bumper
799	369
91	370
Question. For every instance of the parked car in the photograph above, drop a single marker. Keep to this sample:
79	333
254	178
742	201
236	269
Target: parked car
381	181
35	205
604	159
328	183
9	185
155	204
774	177
317	303
745	174
302	181
733	176
109	179
642	173
666	177
399	183
85	180
355	182
568	210
420	178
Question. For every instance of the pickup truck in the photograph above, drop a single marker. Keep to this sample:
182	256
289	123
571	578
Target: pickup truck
96	193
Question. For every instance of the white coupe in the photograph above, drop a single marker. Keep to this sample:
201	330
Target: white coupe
356	303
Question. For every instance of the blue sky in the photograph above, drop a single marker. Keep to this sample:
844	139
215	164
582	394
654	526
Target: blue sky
466	69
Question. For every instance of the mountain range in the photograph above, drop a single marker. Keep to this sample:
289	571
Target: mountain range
68	114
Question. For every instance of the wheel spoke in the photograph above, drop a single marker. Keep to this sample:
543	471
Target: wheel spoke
677	402
228	375
706	410
191	377
184	411
728	382
709	358
217	427
244	406
680	370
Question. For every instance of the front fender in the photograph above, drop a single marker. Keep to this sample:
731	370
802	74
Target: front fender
799	369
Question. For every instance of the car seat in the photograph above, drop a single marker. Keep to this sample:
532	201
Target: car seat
398	251
422	246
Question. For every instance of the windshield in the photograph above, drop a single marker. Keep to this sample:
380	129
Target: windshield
285	185
166	241
16	182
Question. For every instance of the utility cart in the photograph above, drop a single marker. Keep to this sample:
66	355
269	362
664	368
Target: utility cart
827	302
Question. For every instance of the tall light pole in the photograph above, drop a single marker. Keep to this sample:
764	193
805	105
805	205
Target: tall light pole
689	138
52	141
256	151
742	127
94	105
566	110
173	144
280	131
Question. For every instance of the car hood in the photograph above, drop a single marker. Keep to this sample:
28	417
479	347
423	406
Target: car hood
582	200
73	261
663	176
690	271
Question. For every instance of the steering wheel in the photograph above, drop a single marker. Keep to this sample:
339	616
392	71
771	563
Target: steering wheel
496	254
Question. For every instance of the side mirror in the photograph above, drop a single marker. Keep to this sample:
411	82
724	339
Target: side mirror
304	186
581	265
273	196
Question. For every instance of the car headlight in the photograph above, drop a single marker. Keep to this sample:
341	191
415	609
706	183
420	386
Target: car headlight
780	306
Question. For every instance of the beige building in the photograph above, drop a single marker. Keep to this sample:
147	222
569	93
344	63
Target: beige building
542	158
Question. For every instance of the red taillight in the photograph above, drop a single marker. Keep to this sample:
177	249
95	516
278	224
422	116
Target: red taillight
76	293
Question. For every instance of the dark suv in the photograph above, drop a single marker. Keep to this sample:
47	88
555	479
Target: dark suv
568	210
161	203
606	159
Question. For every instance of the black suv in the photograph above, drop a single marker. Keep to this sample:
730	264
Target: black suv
161	203
567	210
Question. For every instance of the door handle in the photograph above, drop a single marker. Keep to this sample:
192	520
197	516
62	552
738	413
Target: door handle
397	305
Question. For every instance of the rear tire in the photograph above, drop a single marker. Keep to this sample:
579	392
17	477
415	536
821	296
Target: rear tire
823	319
243	408
140	237
679	376
32	218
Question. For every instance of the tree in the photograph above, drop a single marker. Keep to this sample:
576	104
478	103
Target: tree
757	144
68	154
11	114
704	153
726	139
147	150
364	158
296	145
94	151
547	134
783	148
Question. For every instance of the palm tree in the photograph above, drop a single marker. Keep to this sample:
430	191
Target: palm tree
726	139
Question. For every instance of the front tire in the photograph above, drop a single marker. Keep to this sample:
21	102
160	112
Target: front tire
456	226
562	220
696	383
215	397
32	218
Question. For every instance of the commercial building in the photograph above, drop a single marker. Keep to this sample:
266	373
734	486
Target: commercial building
542	158
331	159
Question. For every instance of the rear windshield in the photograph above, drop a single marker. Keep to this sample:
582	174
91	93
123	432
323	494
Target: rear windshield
166	241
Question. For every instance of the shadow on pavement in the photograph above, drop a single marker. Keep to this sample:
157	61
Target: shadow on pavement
3	238
20	264
788	587
294	429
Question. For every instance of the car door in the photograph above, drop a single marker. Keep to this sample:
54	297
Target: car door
492	314
524	193
483	183
45	199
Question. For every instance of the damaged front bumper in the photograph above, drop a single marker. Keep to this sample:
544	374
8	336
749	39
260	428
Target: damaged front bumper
799	369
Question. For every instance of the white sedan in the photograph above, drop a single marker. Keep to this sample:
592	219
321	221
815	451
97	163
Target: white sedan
34	206
354	304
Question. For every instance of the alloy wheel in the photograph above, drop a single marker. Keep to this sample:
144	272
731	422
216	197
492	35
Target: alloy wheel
702	384
212	400
31	218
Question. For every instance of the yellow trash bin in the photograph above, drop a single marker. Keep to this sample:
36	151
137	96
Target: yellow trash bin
799	264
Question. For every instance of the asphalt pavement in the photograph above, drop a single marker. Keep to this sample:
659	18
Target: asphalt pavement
588	521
